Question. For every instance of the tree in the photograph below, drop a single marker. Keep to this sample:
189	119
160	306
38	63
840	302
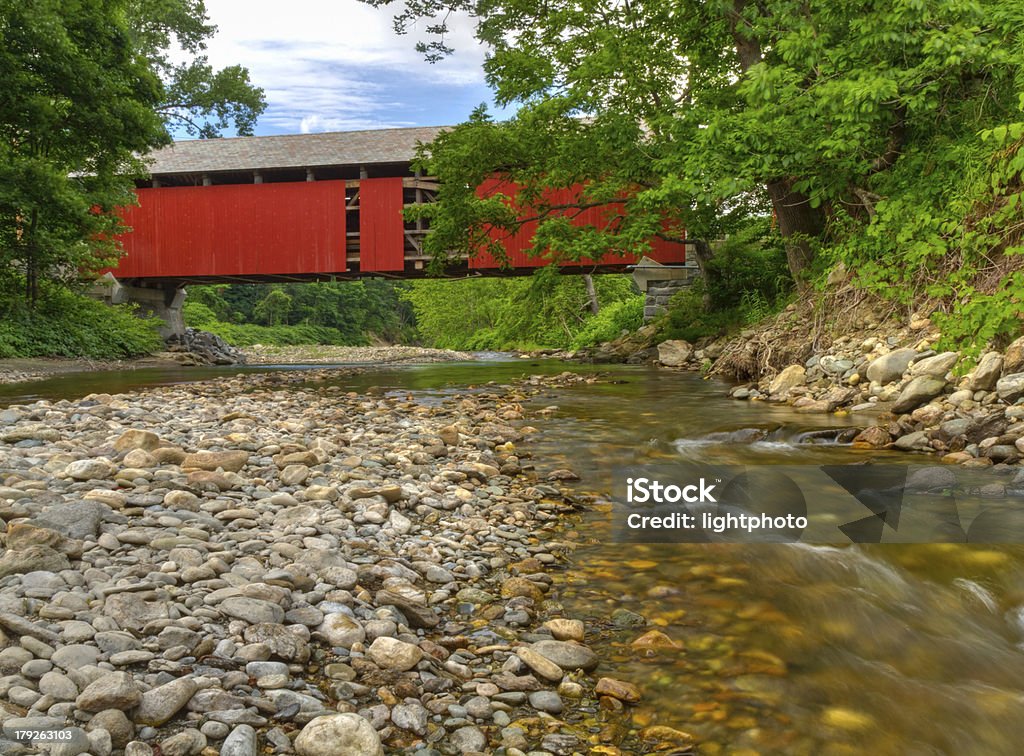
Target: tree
88	90
201	100
697	112
78	105
274	309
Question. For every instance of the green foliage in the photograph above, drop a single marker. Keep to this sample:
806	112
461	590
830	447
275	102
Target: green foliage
65	324
88	88
273	309
461	314
346	312
77	105
611	321
746	281
688	316
546	310
198	315
697	113
748	269
947	228
196	98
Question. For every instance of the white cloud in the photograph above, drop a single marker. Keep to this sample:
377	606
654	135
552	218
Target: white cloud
334	64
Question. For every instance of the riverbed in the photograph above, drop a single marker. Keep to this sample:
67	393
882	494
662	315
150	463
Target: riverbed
802	649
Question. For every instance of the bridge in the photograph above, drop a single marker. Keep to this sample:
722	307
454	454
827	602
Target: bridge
303	207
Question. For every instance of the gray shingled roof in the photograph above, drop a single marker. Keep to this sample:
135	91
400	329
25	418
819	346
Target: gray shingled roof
291	151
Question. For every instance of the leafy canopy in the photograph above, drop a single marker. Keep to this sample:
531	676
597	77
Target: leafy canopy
703	111
89	86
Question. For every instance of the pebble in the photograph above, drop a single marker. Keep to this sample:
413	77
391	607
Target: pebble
546	700
394	654
241	742
216	566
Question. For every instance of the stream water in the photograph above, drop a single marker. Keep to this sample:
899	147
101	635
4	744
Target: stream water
888	649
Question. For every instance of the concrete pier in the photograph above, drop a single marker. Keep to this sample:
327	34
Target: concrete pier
163	302
659	283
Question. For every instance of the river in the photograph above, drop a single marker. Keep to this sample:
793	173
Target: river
887	649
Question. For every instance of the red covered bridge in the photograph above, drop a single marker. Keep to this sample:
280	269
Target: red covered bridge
301	208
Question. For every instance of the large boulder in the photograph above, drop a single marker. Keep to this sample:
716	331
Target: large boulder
568	656
1010	387
834	365
937	365
89	469
916	441
985	375
674	353
339	735
890	367
785	381
136	439
32	558
229	461
394	654
922	389
116	690
77	519
341	630
161	703
1013	358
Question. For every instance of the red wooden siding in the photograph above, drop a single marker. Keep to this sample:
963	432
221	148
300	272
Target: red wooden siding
518	245
236	229
667	252
381	225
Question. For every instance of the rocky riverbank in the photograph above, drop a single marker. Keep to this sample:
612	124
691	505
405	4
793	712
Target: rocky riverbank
271	564
966	410
23	370
200	348
321	354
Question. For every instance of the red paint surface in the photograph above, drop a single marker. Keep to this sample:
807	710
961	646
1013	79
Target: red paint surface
237	229
381	226
518	245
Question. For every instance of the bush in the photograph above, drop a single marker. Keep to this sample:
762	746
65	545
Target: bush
687	317
66	324
545	310
750	265
747	281
199	315
611	321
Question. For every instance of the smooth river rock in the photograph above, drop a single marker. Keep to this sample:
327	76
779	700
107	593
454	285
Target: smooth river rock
339	735
568	656
394	654
890	367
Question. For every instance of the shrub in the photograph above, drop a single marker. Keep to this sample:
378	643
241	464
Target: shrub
66	324
750	264
687	317
199	315
611	321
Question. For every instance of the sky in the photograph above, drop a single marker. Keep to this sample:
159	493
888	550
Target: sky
337	65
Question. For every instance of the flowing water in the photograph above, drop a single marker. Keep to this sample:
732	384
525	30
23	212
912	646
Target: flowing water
886	649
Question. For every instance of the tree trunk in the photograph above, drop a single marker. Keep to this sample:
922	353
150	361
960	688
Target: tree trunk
799	224
32	263
595	306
